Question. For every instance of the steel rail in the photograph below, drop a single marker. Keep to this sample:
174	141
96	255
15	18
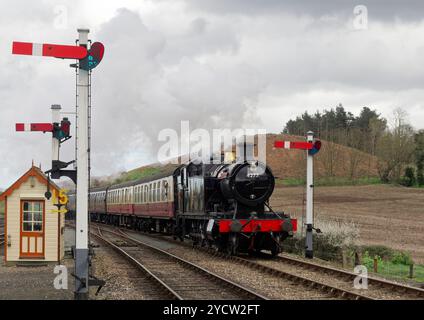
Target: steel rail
351	276
382	283
326	288
307	282
244	291
168	290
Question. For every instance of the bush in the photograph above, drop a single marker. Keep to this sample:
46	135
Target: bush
336	237
386	254
420	178
383	252
408	180
400	257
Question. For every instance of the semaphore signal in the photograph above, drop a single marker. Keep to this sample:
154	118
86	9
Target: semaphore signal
49	50
312	147
88	58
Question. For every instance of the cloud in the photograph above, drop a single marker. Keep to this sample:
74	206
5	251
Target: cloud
142	90
251	64
389	10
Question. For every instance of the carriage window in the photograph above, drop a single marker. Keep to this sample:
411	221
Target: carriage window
158	191
164	190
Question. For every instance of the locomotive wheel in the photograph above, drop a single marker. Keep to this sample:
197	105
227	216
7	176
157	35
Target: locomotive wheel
232	245
253	252
275	247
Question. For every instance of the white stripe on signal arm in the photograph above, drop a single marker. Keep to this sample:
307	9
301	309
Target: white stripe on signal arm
37	49
27	126
286	144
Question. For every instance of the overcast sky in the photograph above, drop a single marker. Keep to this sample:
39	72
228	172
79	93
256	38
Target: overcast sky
216	63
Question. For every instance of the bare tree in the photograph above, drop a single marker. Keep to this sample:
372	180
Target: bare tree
396	147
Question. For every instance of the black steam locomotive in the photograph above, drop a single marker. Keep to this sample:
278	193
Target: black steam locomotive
224	206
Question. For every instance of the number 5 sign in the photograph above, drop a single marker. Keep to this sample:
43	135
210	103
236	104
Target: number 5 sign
60	200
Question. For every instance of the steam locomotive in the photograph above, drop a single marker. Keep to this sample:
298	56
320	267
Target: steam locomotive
223	206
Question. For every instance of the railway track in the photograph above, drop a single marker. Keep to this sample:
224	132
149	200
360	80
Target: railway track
337	282
375	284
180	278
327	290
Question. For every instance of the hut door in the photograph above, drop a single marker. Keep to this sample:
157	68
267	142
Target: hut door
32	229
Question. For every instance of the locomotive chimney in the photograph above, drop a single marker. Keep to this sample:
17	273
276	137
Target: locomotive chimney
245	151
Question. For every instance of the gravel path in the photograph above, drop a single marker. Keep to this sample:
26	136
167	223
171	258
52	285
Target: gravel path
33	282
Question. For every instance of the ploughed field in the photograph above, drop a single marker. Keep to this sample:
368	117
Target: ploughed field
386	215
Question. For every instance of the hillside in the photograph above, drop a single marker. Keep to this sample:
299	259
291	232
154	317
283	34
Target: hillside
333	161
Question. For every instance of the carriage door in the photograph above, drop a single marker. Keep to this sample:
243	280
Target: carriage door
182	190
32	229
185	185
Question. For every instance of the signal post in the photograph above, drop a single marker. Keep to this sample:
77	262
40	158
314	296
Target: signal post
312	147
88	58
81	220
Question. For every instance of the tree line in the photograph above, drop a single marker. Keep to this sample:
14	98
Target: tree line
398	147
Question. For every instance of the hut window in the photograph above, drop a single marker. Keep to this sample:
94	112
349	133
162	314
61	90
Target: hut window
32	219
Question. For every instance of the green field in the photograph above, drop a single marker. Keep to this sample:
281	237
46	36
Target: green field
328	182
